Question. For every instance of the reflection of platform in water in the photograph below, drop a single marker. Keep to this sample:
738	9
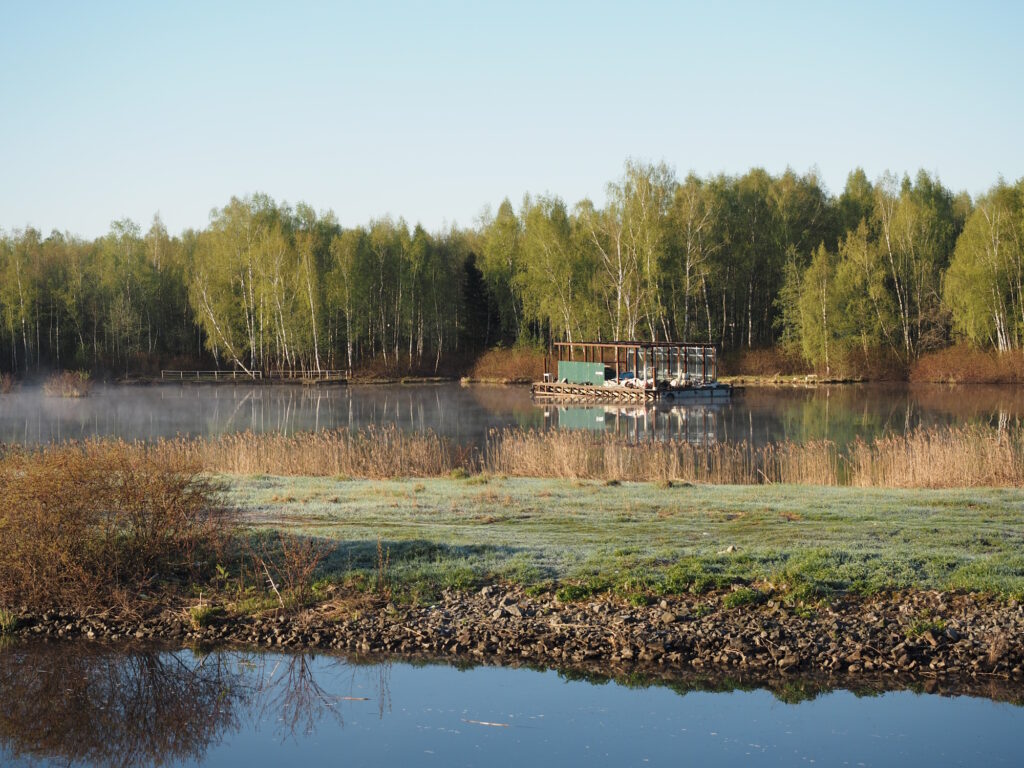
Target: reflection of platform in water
695	423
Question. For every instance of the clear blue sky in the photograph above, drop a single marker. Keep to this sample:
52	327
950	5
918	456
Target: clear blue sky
432	110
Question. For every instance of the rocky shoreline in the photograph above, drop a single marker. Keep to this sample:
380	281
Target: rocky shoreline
957	641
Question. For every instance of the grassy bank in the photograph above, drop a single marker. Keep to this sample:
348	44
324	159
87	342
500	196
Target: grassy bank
645	539
98	523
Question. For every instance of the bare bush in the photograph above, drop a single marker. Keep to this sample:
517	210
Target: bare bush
68	384
81	524
289	564
515	364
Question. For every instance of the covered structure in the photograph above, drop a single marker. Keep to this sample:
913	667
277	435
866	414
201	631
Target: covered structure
630	371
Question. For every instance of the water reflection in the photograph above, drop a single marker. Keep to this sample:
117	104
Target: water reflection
467	414
92	705
695	424
85	704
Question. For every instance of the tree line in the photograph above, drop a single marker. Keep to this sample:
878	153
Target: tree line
889	268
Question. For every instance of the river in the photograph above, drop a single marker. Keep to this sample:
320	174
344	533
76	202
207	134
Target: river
87	705
467	413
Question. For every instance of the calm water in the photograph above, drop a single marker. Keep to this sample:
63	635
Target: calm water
90	706
466	414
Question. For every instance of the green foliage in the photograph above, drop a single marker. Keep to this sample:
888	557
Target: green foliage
743	596
203	615
886	268
8	622
594	585
983	286
924	624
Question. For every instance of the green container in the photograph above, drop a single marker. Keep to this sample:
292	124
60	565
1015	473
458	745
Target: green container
581	373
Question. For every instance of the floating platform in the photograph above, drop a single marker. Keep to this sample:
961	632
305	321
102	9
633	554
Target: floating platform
631	372
590	393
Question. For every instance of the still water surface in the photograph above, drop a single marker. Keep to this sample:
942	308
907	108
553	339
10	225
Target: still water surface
467	414
86	705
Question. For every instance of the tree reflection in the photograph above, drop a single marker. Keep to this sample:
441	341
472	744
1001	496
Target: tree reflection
85	704
106	708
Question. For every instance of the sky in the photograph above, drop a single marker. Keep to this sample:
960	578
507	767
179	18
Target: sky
431	111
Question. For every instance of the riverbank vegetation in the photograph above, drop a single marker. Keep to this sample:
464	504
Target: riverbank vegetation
94	523
68	384
937	457
110	525
865	283
640	540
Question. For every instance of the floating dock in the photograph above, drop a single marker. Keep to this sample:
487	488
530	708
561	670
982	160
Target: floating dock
631	372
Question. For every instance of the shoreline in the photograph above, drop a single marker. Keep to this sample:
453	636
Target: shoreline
907	638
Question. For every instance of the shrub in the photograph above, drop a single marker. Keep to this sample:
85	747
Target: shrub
83	523
763	362
743	596
6	383
202	615
968	365
289	564
519	364
68	384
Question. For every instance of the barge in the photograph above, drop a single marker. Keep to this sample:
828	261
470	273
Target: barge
631	372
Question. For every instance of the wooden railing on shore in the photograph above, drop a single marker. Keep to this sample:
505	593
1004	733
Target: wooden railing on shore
269	376
210	375
308	375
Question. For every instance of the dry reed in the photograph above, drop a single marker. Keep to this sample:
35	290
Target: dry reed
375	453
597	457
950	457
925	458
6	383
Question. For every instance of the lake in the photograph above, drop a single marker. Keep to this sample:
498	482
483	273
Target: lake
84	704
467	413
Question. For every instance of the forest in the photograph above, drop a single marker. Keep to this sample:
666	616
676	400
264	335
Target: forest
886	271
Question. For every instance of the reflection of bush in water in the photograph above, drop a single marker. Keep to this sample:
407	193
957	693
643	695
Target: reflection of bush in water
105	708
83	704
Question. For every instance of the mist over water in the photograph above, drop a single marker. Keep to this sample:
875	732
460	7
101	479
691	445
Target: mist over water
466	414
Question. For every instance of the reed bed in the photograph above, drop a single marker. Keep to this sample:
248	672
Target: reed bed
948	457
584	456
372	453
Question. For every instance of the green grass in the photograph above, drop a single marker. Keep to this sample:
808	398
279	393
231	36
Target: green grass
203	615
639	538
8	622
743	596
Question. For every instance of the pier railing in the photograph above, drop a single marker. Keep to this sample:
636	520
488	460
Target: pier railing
307	375
210	375
236	375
